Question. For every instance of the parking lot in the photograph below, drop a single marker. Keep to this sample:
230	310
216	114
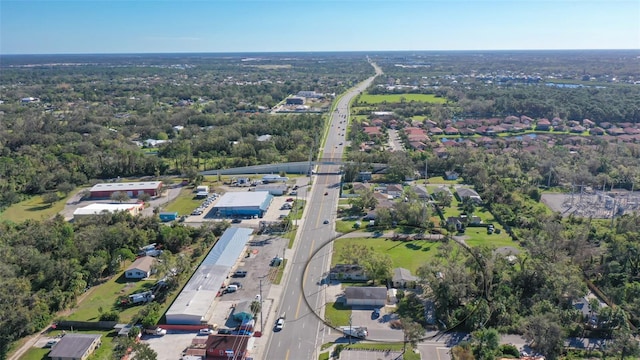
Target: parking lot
274	213
170	346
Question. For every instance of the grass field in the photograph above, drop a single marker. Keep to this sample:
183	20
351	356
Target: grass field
397	98
104	296
185	203
407	254
337	314
32	209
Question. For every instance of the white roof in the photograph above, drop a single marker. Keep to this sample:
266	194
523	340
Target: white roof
243	199
198	295
132	186
96	209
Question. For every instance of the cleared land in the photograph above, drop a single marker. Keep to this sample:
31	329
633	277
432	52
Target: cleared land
407	254
398	98
32	209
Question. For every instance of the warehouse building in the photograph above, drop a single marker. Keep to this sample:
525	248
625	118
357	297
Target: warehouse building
273	189
243	204
132	189
98	209
195	302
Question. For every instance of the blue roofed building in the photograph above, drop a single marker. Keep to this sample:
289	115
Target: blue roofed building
243	204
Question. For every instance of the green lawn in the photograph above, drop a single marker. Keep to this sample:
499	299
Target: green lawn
185	203
345	226
441	180
407	254
337	314
104	352
298	209
32	209
397	98
105	296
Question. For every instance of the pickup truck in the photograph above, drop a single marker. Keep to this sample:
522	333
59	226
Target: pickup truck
157	331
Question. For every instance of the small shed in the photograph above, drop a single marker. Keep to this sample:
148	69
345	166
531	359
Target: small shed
242	311
141	268
366	295
168	216
402	278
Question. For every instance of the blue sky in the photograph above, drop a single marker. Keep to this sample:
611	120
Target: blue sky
142	26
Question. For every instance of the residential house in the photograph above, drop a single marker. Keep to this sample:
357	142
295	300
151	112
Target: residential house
556	121
588	123
597	131
383	200
417	145
364	175
441	152
420	191
436	131
456	222
358	187
543	125
377	122
464	193
511	119
615	131
372	131
451	175
351	272
443	189
430	124
263	138
605	125
141	268
365	296
526	120
578	129
75	346
450	130
394	190
402	278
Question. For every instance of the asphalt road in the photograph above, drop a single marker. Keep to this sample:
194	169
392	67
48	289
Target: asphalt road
303	332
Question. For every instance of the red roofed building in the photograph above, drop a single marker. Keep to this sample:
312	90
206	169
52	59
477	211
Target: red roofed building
450	130
372	131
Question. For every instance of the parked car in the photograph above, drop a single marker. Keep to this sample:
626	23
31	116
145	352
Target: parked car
236	221
51	343
239	273
293	193
376	313
289	199
237	284
205	331
225	331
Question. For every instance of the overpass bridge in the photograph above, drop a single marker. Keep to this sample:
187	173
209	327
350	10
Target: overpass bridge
328	166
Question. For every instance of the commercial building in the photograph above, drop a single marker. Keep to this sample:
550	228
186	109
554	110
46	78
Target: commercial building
75	347
273	189
132	189
243	204
195	301
98	209
295	100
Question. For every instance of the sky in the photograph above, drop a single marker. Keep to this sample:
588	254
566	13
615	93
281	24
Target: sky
170	26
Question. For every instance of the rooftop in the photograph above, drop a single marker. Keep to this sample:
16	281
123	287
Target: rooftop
96	209
243	199
131	186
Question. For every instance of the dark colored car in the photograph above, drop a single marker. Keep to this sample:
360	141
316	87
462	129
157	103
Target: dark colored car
225	331
327	193
236	221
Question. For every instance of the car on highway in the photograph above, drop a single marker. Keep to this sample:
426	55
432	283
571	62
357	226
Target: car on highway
325	222
279	324
326	193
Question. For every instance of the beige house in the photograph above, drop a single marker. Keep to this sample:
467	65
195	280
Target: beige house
141	268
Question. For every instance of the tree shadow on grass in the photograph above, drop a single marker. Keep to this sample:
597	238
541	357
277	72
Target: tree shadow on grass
39	208
411	246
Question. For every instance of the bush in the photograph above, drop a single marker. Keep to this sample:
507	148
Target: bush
509	350
110	316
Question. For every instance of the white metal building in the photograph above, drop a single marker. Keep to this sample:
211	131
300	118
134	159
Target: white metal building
195	301
97	209
250	203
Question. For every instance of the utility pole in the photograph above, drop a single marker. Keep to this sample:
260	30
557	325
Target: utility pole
261	319
350	328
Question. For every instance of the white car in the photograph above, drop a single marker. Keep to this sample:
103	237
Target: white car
279	324
205	331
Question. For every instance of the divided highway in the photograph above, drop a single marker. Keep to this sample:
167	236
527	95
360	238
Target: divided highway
303	332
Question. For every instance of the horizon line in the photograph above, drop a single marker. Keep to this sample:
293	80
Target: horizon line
312	51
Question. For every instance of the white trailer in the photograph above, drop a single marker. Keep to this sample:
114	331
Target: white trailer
355	331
